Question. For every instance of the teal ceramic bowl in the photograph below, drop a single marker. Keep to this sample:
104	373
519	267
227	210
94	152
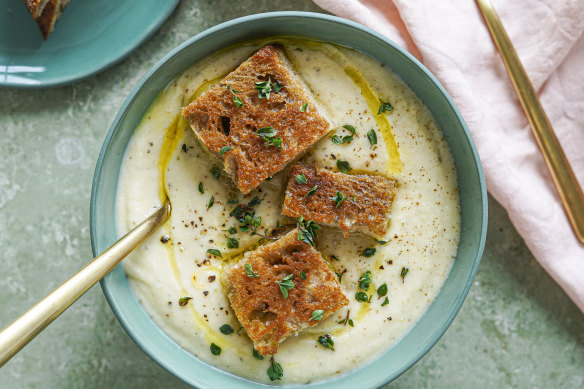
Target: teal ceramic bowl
471	182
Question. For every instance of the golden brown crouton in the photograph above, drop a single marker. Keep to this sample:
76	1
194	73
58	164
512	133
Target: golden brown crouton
46	13
258	301
350	202
257	136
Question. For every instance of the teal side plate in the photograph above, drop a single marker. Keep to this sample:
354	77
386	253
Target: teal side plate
473	195
89	36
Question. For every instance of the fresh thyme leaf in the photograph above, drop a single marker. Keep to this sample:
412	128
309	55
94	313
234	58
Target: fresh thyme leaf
275	371
224	149
362	297
404	272
277	87
339	198
226	329
302	275
277	142
215	252
238	102
345	139
201	189
384	107
311	191
286	284
317	315
380	241
368	252
256	354
243	228
232	230
266	132
335	257
350	128
301	178
215	172
249	271
372	136
264	88
385	302
232	201
365	280
303	109
339	276
184	301
215	350
382	290
343	166
232	243
327	341
211	202
307	230
351	323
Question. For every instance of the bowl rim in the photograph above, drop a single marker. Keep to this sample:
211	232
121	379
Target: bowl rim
454	309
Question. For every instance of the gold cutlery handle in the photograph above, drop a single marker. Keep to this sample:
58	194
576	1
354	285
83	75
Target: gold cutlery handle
559	167
28	325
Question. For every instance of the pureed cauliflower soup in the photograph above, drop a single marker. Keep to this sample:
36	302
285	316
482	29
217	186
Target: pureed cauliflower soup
380	128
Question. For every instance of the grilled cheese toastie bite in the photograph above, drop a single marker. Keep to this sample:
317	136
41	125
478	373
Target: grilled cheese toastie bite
350	202
281	288
258	118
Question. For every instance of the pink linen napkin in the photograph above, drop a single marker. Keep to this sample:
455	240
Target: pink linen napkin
451	39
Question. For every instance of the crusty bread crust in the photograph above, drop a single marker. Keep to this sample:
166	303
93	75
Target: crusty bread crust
46	13
259	304
368	213
218	122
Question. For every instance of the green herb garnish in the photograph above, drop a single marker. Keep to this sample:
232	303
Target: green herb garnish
256	354
368	252
351	323
264	88
253	202
302	275
238	102
385	302
307	230
226	329
268	134
365	280
380	241
232	243
232	230
311	191
361	296
372	136
343	166
350	128
215	350
211	202
249	271
215	172
384	107
382	290
184	301
301	178
317	315
327	341
339	198
224	149
286	284
404	272
339	141
275	371
232	201
201	189
303	109
215	252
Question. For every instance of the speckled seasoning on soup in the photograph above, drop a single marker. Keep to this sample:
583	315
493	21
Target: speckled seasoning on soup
176	273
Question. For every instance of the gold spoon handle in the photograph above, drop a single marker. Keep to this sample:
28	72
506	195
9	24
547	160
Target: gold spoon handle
29	324
559	167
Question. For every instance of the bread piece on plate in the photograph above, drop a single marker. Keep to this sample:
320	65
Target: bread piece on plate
350	202
46	13
254	118
259	303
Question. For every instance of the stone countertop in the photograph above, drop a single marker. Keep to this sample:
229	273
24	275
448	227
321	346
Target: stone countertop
516	329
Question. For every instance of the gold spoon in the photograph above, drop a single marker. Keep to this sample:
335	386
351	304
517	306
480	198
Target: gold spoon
559	167
17	335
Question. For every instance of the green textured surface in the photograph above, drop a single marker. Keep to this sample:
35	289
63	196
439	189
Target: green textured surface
516	328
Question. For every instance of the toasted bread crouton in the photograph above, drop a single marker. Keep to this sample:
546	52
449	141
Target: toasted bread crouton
46	13
259	303
227	117
350	202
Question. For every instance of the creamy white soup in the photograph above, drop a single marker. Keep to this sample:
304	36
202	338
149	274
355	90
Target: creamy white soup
177	280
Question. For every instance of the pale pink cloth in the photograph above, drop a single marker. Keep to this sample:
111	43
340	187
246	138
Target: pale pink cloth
451	39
